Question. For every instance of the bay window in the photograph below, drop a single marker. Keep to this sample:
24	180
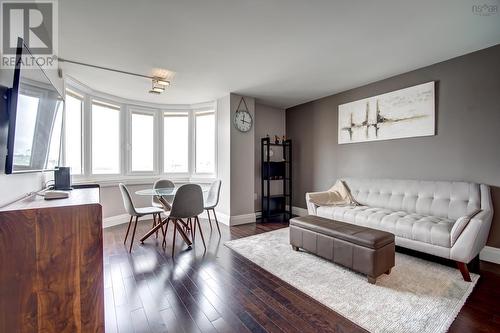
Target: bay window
110	139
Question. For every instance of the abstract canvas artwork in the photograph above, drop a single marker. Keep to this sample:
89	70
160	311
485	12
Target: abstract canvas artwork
403	113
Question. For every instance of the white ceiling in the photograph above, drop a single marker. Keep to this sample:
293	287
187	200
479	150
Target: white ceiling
283	52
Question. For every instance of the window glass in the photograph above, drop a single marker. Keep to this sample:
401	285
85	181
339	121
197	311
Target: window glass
142	142
176	142
105	139
205	142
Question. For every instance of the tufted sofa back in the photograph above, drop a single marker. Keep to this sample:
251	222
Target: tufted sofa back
438	198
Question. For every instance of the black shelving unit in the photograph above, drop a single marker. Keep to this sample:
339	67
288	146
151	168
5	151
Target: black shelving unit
279	170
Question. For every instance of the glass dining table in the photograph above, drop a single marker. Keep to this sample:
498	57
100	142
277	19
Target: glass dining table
161	194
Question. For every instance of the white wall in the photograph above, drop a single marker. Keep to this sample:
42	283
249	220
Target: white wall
242	162
224	154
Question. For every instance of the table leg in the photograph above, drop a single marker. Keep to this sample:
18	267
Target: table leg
152	231
167	207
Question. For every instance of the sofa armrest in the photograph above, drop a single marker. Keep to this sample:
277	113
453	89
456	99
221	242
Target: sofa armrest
474	236
311	207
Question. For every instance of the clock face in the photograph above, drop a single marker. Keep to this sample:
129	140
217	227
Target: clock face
243	121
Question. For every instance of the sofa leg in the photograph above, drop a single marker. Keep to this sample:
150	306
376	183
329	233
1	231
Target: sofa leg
388	271
474	265
295	248
372	279
464	270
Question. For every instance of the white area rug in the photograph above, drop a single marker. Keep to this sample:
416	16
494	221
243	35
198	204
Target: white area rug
418	295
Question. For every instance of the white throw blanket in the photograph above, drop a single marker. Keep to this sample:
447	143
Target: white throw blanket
337	195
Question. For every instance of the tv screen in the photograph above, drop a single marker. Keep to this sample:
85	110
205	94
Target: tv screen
35	118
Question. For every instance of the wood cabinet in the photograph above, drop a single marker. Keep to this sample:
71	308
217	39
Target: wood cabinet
51	264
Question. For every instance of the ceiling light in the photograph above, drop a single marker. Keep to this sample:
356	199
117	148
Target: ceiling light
161	82
158	86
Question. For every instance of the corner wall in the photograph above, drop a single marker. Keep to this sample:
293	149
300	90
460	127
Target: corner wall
466	146
268	120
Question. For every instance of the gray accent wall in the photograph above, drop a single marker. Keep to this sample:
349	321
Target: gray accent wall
465	147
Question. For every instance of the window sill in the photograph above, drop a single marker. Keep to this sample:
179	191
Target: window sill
144	180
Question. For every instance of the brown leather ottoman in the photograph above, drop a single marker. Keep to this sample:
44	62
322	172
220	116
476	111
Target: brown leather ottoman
364	250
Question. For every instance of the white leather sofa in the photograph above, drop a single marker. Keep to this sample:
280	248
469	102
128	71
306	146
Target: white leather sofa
447	219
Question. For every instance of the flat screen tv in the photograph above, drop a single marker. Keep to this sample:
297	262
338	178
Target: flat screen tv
35	118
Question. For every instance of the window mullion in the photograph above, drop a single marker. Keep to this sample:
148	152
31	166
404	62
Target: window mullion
192	142
87	136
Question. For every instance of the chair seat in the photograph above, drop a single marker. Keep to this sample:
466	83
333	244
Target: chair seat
148	210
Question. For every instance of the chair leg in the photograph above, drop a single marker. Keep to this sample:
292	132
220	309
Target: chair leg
197	220
161	227
216	221
194	230
209	220
175	232
154	224
128	229
164	232
190	221
133	234
464	270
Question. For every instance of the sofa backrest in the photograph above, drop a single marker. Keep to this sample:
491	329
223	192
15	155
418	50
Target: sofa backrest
437	198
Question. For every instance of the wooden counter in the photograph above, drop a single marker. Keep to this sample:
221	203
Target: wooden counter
51	264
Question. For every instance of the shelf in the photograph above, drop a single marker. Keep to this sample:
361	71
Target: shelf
281	170
276	144
276	196
276	214
273	169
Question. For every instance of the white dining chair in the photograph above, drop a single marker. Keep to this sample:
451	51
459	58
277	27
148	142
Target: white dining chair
212	200
187	205
136	212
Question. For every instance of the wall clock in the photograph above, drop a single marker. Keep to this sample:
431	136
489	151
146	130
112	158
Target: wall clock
242	118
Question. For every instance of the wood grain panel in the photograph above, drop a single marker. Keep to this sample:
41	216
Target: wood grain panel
54	255
91	269
18	299
58	272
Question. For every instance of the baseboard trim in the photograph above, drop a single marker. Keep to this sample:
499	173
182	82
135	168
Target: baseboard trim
242	219
115	220
221	217
491	254
299	211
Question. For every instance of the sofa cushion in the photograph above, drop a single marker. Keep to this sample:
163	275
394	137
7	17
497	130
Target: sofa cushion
432	198
419	227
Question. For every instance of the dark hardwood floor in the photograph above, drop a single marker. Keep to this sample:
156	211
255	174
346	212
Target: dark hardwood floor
220	291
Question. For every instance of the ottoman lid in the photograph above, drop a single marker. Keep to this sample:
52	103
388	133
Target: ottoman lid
363	236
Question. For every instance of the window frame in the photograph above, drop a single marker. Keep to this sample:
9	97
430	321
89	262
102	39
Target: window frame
121	140
131	110
81	97
195	113
176	175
